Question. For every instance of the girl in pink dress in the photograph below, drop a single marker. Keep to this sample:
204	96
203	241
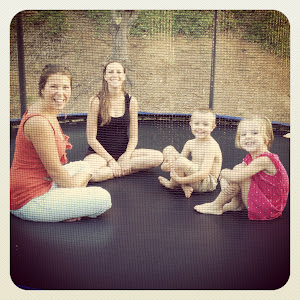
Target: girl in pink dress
260	183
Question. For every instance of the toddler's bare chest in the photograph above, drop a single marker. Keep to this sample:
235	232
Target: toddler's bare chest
198	154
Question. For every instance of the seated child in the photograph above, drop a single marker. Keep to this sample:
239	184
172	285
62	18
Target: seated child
201	173
260	183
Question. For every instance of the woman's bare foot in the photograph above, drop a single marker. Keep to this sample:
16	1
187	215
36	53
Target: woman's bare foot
165	182
165	166
72	220
209	208
188	190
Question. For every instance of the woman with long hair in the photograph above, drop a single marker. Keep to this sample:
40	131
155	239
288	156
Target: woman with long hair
112	130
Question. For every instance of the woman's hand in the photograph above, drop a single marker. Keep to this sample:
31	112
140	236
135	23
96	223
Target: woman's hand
115	167
125	164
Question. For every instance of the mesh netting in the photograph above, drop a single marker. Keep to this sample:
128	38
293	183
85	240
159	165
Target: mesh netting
168	55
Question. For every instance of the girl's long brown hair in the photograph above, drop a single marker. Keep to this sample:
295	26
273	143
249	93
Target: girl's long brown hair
103	95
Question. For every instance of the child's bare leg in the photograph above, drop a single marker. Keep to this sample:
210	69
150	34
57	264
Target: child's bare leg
238	194
181	167
170	152
170	184
240	201
228	193
215	207
236	204
170	155
188	190
245	186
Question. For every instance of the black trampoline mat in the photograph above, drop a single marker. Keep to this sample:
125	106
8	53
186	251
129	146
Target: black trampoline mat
152	238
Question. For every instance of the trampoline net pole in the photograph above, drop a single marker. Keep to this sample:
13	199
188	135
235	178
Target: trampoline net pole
213	61
21	64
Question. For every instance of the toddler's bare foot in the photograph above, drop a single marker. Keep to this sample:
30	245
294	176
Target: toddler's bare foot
165	166
188	190
165	182
209	208
233	206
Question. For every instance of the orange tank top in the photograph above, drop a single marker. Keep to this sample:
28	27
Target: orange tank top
28	176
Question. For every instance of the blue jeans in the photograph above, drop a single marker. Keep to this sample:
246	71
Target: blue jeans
60	204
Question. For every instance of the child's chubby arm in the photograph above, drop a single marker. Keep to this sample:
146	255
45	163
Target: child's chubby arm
186	149
242	171
184	153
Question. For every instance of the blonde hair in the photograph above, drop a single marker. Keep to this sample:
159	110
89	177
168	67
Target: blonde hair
204	111
266	127
103	95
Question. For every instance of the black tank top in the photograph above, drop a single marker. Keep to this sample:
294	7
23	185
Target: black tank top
114	135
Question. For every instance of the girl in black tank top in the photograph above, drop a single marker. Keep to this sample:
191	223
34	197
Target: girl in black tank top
113	135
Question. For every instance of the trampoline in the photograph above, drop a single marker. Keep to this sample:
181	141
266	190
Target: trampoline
152	238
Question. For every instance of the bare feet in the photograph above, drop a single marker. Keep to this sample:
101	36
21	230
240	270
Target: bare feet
209	208
188	190
165	166
72	220
165	182
233	206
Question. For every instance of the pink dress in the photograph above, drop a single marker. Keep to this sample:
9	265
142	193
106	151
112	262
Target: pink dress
267	194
